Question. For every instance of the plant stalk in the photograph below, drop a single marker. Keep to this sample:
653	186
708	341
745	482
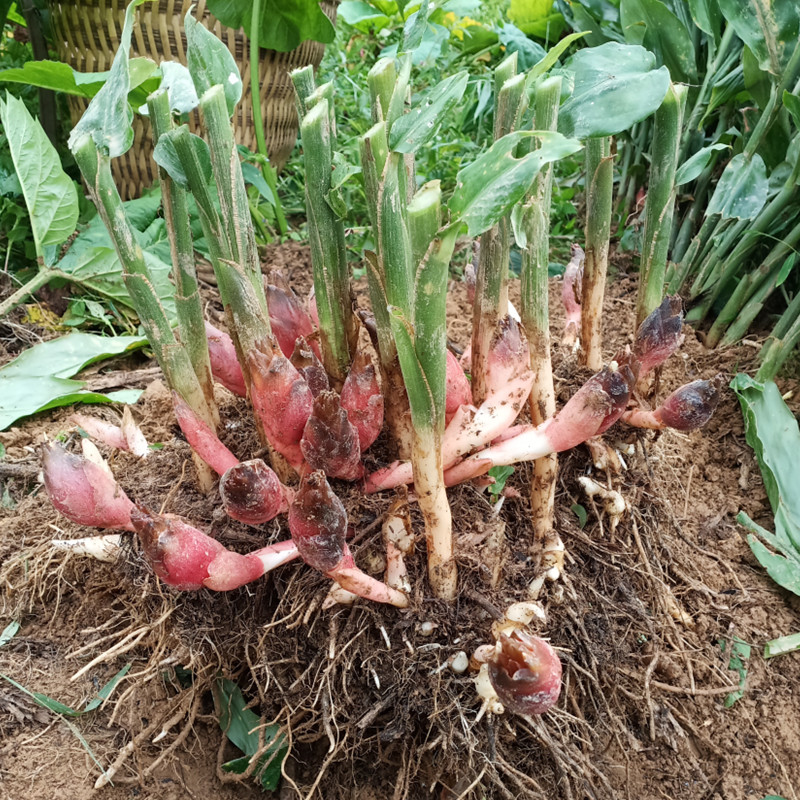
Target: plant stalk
42	278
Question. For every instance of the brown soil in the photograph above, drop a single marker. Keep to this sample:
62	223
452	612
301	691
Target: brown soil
360	692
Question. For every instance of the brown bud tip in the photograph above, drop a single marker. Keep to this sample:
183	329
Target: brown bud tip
659	336
691	406
83	491
224	364
459	392
618	384
252	493
305	361
526	673
318	523
362	400
330	441
178	553
286	313
282	400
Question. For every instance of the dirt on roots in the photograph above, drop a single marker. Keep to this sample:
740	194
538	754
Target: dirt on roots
644	619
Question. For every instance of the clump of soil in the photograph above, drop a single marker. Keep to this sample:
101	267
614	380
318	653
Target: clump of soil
364	694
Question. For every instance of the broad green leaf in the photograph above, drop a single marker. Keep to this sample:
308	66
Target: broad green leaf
211	63
252	175
177	80
38	378
361	15
553	54
768	27
414	28
50	193
515	41
615	85
792	103
283	26
741	190
707	17
488	188
786	270
694	165
537	18
773	433
166	156
501	476
651	24
416	127
108	118
53	75
243	728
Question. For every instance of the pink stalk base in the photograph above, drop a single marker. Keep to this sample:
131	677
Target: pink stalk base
287	316
83	491
187	559
525	672
459	392
224	363
104	432
252	493
282	401
202	439
351	578
571	292
362	400
508	384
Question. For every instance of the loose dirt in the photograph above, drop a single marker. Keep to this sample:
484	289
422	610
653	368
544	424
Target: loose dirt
363	694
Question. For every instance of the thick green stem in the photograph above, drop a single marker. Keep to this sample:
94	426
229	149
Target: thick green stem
491	285
783	340
233	202
535	312
337	324
258	122
599	193
381	79
660	203
42	278
188	305
171	355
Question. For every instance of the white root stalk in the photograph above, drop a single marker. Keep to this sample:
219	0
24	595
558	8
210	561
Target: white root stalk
103	548
399	542
337	596
614	504
137	444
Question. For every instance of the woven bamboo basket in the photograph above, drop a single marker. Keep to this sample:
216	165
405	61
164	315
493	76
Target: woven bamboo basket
87	34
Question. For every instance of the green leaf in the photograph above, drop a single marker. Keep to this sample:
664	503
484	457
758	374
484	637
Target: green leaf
740	655
786	269
361	15
553	54
415	128
707	17
166	156
38	378
211	63
781	646
615	85
580	512
105	691
49	192
53	75
501	476
242	727
108	118
768	27
741	190
694	165
792	103
283	26
651	24
773	433
414	28
9	632
528	52
537	18
177	80
488	188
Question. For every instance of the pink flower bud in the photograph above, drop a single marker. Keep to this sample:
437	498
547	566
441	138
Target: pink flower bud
83	491
691	406
186	558
459	392
305	361
318	523
282	401
526	673
287	316
224	364
330	440
252	493
659	336
202	438
362	400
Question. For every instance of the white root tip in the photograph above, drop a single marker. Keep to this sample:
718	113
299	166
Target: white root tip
103	548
